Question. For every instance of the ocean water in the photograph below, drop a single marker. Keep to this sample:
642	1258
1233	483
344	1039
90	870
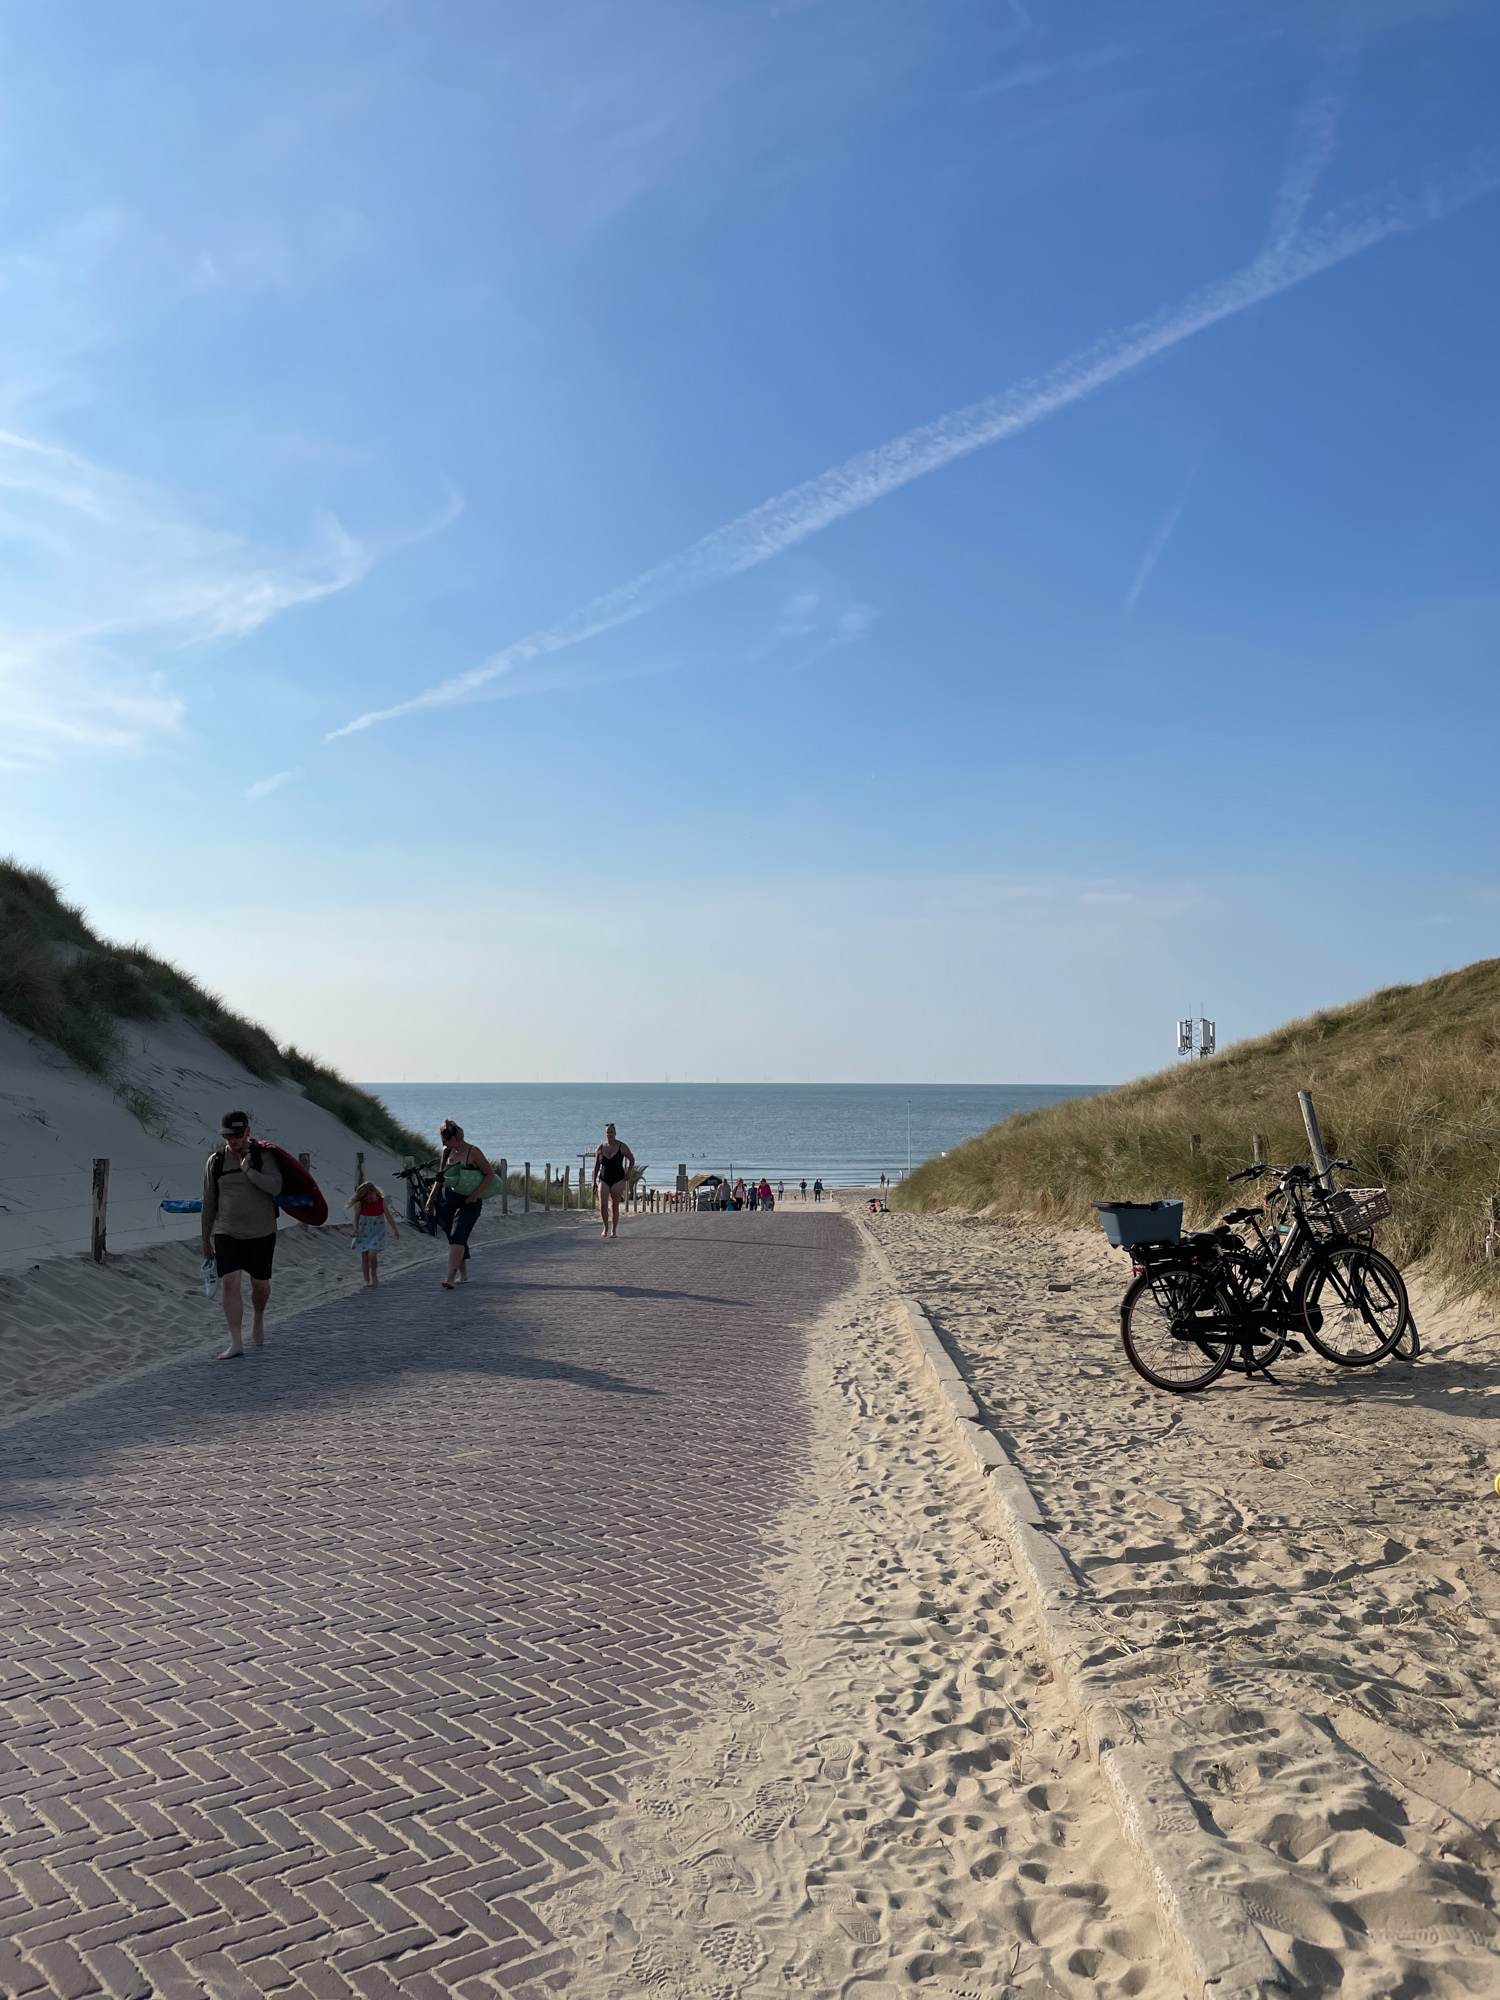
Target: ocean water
847	1133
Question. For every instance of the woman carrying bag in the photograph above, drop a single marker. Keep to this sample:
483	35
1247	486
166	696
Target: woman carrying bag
465	1177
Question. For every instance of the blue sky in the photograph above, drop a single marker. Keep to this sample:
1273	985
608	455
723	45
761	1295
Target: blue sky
387	357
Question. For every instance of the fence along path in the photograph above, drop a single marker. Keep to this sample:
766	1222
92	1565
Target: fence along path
316	1671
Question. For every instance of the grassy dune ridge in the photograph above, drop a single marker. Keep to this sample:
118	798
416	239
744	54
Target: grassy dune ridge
60	980
1407	1085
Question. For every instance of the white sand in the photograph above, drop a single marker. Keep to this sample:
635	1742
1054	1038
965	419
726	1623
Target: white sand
888	1788
1295	1589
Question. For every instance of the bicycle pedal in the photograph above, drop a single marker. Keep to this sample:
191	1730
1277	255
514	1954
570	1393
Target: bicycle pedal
1293	1348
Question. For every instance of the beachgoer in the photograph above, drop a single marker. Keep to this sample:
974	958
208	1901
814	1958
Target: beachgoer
240	1186
613	1161
465	1177
752	1196
817	1190
781	1190
767	1199
737	1200
369	1229
804	1187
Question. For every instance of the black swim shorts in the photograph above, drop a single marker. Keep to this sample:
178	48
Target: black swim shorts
250	1254
456	1217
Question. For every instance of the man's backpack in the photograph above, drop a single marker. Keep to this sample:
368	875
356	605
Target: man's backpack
300	1195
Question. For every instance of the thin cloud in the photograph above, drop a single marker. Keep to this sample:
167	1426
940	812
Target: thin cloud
1155	549
807	509
263	787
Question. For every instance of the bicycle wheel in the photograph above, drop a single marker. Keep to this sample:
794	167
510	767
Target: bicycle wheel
1157	1317
1352	1303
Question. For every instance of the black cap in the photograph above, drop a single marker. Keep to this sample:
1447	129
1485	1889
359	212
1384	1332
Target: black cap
233	1123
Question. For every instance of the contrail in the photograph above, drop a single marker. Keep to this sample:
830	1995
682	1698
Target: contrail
807	509
1155	549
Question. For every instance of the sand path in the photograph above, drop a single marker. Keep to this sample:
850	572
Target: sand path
1295	1588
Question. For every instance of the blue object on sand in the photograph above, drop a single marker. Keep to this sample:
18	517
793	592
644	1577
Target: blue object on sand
182	1207
1127	1223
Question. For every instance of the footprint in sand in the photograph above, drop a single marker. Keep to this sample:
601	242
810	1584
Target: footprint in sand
837	1752
775	1807
734	1950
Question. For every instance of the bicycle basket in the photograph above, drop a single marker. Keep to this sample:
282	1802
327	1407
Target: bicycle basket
1347	1211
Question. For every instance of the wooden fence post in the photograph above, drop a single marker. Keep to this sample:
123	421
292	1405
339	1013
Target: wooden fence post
1492	1220
505	1187
1196	1142
526	1188
547	1188
1258	1148
101	1207
567	1176
1315	1139
359	1168
305	1159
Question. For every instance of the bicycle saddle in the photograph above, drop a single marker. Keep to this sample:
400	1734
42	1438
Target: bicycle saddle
1233	1215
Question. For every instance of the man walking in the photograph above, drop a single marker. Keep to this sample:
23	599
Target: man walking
240	1186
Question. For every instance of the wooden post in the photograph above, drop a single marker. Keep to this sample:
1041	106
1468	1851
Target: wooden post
101	1207
1258	1148
1492	1219
1315	1139
305	1159
526	1188
547	1188
359	1168
505	1187
567	1176
1196	1142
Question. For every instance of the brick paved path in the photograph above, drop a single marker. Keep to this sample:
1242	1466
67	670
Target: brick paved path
314	1668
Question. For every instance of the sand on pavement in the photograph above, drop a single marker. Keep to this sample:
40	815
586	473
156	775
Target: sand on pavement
887	1792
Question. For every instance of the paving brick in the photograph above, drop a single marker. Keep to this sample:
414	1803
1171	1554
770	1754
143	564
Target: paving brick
322	1668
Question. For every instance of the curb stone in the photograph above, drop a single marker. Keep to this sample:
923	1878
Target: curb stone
1218	1951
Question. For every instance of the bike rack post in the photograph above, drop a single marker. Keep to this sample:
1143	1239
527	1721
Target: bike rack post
1315	1139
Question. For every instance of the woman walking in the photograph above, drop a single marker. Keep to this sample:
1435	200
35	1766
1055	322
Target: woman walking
612	1162
369	1229
465	1177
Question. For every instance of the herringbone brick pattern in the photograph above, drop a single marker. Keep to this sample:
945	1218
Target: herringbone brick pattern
316	1668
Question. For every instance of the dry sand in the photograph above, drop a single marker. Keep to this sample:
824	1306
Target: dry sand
887	1793
1295	1588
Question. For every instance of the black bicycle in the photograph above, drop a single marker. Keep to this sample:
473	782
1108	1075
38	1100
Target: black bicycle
1213	1300
421	1178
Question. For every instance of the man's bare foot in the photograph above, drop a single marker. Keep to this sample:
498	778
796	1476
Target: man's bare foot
233	1354
258	1338
446	1284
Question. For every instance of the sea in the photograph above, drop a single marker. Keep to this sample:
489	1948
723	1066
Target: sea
846	1134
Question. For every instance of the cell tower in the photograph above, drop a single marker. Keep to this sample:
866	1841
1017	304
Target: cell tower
1196	1038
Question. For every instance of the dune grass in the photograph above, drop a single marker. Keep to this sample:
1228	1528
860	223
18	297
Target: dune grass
1406	1082
61	981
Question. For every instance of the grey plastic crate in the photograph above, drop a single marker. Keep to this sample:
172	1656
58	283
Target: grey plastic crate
1127	1223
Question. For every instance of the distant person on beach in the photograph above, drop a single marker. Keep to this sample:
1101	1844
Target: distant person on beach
465	1177
240	1186
612	1163
781	1190
369	1229
817	1190
804	1188
752	1196
766	1198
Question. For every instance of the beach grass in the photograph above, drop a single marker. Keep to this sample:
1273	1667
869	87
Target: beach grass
61	981
1406	1083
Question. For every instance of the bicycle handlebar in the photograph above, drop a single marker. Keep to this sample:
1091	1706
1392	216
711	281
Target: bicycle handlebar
1250	1173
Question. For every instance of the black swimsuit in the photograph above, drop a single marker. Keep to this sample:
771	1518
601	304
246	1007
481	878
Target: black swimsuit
612	1166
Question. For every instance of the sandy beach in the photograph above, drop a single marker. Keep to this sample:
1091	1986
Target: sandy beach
1294	1590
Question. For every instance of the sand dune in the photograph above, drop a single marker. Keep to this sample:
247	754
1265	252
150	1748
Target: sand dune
1294	1589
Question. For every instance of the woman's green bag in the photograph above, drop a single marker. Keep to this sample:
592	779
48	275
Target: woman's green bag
463	1180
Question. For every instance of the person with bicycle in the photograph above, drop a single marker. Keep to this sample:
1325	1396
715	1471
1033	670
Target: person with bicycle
465	1177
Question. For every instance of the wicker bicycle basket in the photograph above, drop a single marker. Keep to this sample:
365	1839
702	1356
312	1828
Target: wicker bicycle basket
1347	1211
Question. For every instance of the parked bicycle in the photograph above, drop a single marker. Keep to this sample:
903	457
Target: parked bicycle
1212	1300
420	1180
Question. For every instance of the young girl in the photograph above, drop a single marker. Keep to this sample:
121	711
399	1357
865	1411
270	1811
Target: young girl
369	1228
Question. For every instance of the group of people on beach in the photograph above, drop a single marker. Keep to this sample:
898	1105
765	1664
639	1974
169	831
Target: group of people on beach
243	1181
